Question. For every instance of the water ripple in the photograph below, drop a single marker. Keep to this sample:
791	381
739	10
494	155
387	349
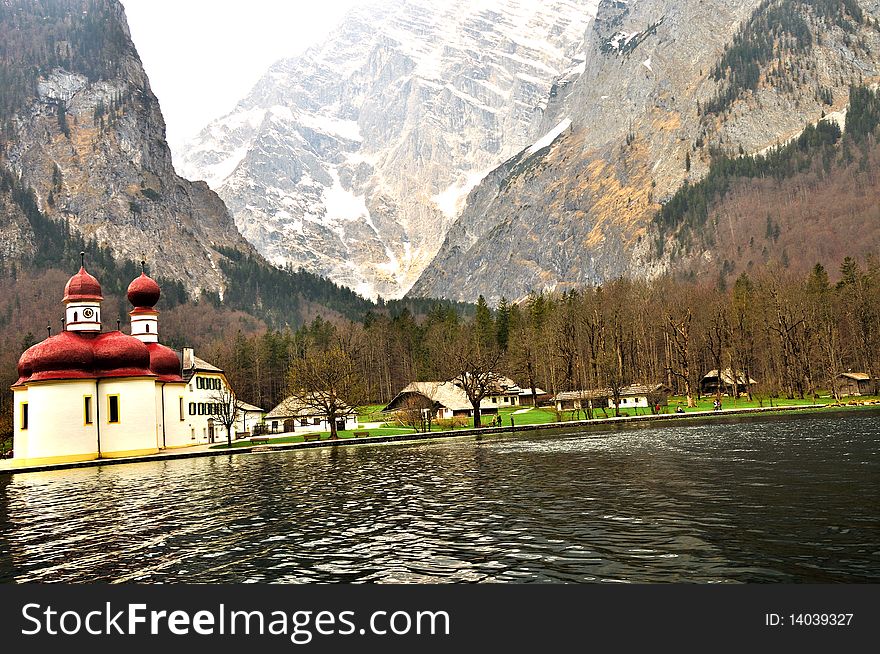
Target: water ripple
792	500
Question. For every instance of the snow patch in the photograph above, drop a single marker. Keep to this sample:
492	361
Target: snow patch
341	204
550	136
346	129
451	200
647	64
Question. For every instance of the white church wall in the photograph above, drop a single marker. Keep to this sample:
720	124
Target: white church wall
177	432
60	434
136	431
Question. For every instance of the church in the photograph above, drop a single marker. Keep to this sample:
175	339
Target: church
87	394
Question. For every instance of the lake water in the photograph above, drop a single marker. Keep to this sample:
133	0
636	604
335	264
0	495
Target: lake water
794	499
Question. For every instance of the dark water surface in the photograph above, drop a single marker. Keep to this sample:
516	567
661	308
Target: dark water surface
780	500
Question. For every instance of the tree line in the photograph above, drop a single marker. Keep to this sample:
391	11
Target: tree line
792	334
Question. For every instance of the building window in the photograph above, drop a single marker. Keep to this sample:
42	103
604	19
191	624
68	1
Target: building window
180	400
75	316
24	415
87	410
198	382
112	408
148	329
316	421
192	408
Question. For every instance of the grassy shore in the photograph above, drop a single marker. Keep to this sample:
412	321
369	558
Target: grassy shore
523	416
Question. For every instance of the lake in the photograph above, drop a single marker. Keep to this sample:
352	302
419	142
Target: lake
786	499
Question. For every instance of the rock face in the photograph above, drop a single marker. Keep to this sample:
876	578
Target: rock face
352	160
91	145
621	137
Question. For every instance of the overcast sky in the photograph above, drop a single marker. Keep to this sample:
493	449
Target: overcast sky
203	56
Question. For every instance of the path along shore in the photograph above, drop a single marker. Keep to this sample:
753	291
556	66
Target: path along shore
603	424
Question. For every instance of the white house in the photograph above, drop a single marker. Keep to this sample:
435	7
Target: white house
207	390
248	417
636	396
85	394
445	399
293	415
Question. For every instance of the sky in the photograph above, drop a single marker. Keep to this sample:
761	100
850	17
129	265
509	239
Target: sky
203	56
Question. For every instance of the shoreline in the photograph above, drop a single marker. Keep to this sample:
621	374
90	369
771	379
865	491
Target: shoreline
604	424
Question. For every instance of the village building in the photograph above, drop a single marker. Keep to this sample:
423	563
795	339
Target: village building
504	392
635	396
728	383
208	390
445	400
541	397
294	415
855	383
85	394
249	416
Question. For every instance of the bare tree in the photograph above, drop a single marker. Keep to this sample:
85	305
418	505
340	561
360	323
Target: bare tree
679	332
225	409
412	412
327	381
471	362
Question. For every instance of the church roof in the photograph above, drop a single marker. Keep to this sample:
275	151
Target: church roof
82	287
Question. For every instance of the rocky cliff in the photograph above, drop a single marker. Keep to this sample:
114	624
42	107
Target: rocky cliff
83	131
666	86
352	160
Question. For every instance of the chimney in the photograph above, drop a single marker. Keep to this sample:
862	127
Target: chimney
188	358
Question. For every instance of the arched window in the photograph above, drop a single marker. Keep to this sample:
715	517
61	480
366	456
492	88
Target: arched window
148	329
75	316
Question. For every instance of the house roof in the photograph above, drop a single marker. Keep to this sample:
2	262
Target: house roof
445	394
602	393
199	365
499	384
857	376
727	377
293	407
250	408
528	391
203	366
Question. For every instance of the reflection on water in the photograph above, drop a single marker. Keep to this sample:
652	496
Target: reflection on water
784	500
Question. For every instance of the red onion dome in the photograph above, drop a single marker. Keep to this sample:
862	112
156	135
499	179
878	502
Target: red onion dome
164	362
25	365
120	355
143	292
82	287
67	355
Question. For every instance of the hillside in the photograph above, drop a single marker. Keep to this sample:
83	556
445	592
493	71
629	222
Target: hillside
668	88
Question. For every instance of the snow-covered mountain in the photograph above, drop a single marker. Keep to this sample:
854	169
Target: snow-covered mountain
352	160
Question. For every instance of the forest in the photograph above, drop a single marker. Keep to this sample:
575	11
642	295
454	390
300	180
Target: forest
792	334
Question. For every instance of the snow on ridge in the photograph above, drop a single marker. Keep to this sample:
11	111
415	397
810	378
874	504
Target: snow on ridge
550	136
450	200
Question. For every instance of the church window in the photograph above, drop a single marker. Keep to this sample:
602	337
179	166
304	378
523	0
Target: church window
180	402
192	408
24	415
148	329
75	316
113	408
87	410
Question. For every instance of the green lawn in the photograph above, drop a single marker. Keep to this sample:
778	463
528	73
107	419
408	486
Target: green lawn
705	403
544	415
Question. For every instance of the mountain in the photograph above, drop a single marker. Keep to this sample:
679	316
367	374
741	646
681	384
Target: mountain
668	89
352	160
83	136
